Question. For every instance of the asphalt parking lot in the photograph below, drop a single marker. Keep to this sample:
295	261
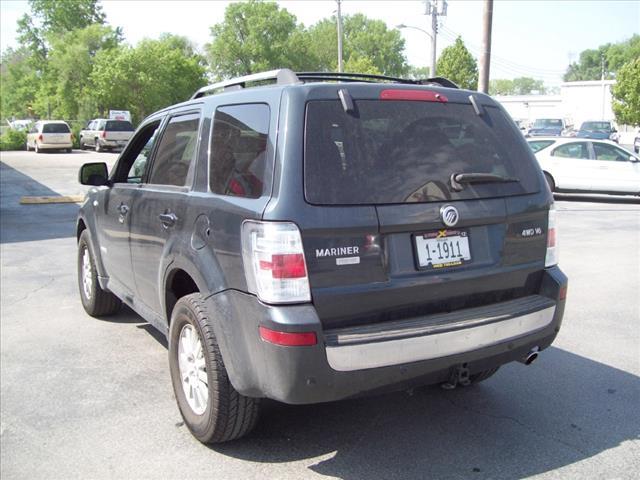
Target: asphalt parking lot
87	398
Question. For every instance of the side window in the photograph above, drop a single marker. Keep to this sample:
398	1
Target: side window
132	163
176	151
610	153
572	150
537	145
34	129
100	125
238	153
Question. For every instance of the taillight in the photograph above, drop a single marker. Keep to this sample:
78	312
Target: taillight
40	137
552	239
274	262
104	134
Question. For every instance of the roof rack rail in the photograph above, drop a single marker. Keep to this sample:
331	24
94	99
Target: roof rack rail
284	76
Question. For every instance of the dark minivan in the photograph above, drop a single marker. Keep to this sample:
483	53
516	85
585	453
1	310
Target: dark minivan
322	237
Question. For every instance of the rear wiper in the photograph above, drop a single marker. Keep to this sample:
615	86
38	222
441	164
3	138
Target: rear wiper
458	179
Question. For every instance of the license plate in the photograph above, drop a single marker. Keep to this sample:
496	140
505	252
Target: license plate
442	249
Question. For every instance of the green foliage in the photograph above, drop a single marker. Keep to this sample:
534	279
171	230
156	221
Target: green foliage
13	140
418	73
614	55
458	65
151	76
18	83
517	86
626	93
255	36
363	39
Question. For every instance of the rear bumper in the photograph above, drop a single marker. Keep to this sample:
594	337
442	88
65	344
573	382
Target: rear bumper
346	364
54	146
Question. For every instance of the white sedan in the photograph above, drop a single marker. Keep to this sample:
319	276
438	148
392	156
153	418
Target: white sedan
582	165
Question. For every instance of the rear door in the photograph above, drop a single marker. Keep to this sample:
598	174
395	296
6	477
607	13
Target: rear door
118	131
392	163
159	210
571	166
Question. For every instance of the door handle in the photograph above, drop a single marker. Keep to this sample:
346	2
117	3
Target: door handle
168	219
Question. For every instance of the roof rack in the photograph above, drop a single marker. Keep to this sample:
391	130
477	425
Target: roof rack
284	76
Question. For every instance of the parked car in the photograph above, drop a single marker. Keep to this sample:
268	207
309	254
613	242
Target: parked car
548	127
49	135
318	238
636	142
598	130
592	166
104	134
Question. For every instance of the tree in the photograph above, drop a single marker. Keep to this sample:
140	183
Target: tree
626	93
151	76
610	56
255	36
364	38
418	73
517	86
71	59
54	17
18	83
458	65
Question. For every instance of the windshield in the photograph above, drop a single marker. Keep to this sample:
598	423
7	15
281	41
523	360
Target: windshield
547	123
596	126
55	128
119	126
406	152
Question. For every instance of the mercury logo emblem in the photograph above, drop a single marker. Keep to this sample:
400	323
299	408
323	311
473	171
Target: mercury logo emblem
449	215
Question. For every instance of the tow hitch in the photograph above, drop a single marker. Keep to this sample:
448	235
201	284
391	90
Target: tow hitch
459	376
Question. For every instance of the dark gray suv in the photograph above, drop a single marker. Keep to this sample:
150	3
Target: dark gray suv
322	237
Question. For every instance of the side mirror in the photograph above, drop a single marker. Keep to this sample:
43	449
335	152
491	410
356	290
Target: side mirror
94	174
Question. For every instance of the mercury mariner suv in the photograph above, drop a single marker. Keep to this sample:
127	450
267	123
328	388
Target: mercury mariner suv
316	237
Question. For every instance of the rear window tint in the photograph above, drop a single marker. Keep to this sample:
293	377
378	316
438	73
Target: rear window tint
238	154
119	126
55	128
406	152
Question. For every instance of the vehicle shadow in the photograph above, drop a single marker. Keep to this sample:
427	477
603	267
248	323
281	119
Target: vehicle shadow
25	223
524	421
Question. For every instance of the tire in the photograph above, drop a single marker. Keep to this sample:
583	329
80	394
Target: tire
81	144
28	148
96	301
482	376
224	414
550	182
36	148
98	147
69	150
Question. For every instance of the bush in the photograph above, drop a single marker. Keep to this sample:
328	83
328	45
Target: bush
13	140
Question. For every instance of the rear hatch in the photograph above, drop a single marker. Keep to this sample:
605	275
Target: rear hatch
56	133
380	177
118	131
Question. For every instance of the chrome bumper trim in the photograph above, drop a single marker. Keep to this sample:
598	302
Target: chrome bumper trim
427	347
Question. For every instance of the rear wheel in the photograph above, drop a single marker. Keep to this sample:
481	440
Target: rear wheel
550	182
36	148
27	146
211	408
98	146
96	301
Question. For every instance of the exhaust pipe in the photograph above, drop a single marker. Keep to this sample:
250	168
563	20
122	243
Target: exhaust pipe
530	357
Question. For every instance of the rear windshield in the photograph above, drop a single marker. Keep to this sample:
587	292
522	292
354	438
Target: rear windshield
406	152
596	126
55	128
537	145
119	126
547	123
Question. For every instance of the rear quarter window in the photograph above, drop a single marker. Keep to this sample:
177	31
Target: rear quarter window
406	151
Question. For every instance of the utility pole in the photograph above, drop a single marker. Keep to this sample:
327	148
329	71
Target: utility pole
339	19
602	80
485	58
435	8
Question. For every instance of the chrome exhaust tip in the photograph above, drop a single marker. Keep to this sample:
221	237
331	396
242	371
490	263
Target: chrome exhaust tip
530	357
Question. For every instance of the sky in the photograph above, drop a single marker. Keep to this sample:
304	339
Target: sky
535	38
